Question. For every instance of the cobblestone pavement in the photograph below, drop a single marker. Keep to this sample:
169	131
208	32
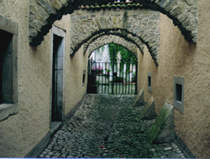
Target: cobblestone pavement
106	126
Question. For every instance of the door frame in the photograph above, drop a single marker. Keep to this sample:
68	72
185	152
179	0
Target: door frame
61	33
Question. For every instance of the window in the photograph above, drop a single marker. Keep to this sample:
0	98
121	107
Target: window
83	77
8	67
149	81
179	93
6	70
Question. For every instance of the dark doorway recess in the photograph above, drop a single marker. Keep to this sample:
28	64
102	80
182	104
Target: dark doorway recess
57	79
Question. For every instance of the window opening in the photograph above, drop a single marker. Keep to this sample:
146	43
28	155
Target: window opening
6	65
179	92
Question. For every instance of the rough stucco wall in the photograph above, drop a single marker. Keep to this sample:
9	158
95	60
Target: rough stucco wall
74	90
146	64
21	132
178	58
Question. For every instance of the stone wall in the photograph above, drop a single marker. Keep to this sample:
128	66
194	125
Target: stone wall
106	39
184	14
178	58
44	13
141	26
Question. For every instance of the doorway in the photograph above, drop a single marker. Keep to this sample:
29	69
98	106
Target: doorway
57	80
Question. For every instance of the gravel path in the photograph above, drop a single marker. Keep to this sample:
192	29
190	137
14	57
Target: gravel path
106	126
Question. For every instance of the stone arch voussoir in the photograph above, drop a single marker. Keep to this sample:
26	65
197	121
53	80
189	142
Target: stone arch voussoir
138	27
184	14
106	39
124	34
43	13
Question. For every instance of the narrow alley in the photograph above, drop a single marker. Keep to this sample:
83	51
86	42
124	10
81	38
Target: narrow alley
104	78
107	126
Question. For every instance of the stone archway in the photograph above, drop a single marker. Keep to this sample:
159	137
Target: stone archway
115	38
44	13
141	26
106	39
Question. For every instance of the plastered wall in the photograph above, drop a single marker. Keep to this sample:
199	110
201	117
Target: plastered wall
74	67
178	58
23	131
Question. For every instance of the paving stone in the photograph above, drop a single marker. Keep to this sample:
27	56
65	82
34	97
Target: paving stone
168	148
104	132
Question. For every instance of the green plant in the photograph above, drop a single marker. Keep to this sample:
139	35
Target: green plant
155	130
127	57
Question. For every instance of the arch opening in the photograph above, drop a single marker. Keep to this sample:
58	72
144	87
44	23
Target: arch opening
112	69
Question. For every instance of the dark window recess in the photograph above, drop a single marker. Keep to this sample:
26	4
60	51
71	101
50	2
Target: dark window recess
83	77
179	92
149	81
6	68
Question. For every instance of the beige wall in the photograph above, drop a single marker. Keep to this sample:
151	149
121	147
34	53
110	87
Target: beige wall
74	89
21	132
179	58
74	66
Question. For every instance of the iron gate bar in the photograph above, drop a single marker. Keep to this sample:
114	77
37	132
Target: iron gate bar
113	78
130	78
129	66
126	79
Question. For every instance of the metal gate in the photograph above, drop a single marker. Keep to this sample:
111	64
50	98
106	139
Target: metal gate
112	78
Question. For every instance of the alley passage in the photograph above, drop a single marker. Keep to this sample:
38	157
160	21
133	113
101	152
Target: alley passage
106	126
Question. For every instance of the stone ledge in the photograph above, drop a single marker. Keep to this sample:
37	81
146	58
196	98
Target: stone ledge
7	110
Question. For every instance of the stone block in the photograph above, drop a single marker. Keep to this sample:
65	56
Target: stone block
148	112
139	99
